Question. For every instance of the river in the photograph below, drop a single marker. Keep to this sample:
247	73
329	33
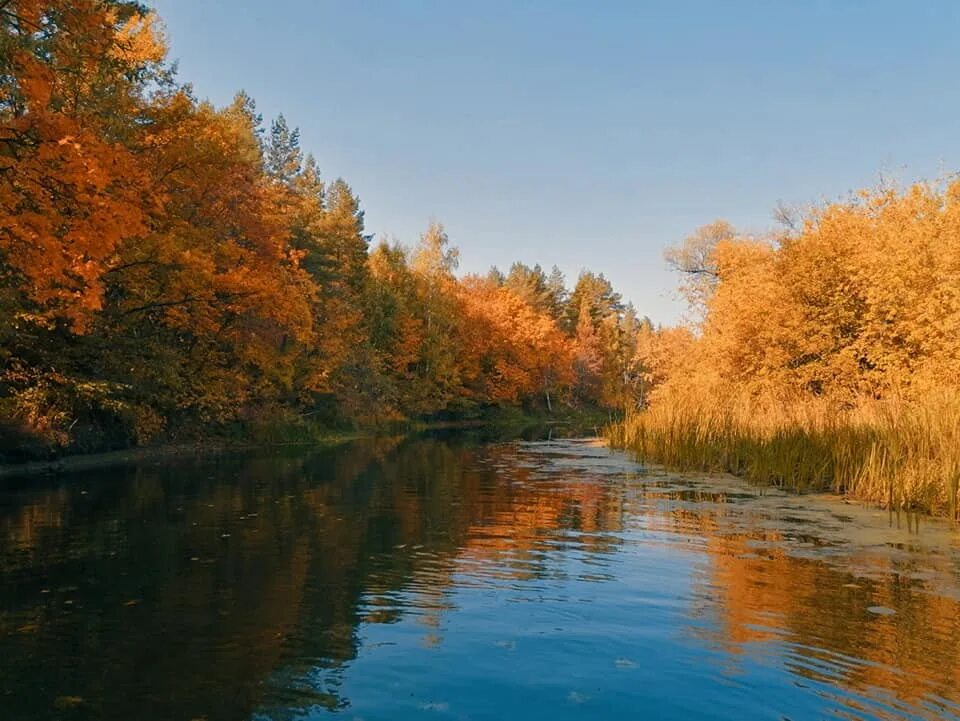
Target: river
461	577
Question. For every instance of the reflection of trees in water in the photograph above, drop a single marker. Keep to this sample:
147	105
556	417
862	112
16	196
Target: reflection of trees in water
222	586
828	623
218	586
752	591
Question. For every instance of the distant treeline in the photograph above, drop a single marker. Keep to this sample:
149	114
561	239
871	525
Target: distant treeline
170	269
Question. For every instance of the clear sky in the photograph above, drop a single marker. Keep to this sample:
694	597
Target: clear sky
590	134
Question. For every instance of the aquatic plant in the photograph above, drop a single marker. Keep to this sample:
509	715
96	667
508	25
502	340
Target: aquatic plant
899	454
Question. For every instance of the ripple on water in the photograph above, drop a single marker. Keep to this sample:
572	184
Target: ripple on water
417	578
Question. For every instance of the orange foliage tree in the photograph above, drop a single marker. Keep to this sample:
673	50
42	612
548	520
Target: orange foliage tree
168	267
510	351
861	302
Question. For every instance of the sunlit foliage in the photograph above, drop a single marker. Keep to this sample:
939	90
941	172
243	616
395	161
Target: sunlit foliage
169	268
827	356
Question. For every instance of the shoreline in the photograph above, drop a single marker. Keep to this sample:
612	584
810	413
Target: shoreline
911	514
104	459
85	461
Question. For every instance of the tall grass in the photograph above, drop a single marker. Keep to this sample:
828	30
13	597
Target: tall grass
899	454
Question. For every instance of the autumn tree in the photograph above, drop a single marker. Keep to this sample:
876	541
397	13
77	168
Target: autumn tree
75	84
433	262
695	260
396	330
71	188
511	350
169	268
854	303
215	288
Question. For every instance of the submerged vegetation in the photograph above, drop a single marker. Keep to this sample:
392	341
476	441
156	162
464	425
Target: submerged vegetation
825	357
169	269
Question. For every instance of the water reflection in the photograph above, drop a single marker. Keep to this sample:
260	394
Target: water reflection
457	577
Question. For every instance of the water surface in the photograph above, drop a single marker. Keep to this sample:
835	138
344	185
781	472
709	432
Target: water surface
450	578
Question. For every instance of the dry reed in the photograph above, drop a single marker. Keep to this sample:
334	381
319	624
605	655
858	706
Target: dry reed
899	454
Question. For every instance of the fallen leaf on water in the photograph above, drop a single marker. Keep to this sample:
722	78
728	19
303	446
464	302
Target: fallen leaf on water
67	702
435	706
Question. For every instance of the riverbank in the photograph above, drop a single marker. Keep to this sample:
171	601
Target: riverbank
899	456
509	421
89	461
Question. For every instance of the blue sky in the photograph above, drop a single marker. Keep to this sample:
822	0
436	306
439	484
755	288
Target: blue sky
590	134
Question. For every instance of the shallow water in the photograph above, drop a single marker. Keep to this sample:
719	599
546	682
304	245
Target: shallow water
449	578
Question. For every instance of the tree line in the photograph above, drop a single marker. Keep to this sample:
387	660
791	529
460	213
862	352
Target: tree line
168	267
856	300
822	355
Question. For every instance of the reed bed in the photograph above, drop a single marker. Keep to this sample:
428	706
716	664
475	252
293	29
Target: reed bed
898	454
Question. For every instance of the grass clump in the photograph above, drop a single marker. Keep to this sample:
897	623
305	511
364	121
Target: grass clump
898	454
